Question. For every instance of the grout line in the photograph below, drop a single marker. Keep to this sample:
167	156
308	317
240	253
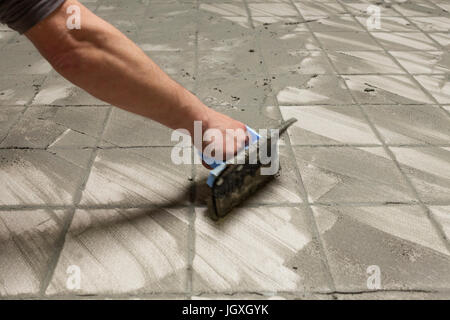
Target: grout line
74	148
267	294
372	145
293	32
192	232
25	107
389	152
284	104
335	145
303	192
89	207
13	208
250	20
368	50
53	261
428	105
365	30
355	74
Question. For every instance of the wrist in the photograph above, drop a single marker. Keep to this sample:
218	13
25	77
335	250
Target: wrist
197	112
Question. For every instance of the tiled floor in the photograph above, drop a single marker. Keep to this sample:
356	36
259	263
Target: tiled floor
87	189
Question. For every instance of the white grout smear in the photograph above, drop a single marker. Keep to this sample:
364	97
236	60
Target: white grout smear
295	95
51	94
255	247
157	47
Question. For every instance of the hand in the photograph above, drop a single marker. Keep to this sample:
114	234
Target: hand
233	137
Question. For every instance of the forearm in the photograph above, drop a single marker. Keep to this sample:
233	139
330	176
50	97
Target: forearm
101	60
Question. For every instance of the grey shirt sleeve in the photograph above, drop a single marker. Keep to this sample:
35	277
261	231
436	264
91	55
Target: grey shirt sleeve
21	15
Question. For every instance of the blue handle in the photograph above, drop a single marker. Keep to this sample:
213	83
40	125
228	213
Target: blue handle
219	166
